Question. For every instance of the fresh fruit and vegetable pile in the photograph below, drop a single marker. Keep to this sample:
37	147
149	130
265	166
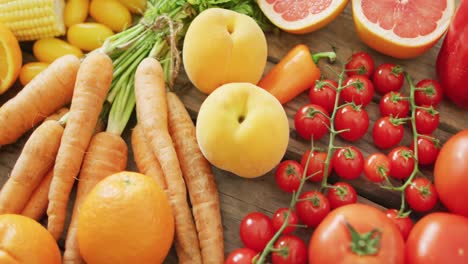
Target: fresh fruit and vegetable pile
105	69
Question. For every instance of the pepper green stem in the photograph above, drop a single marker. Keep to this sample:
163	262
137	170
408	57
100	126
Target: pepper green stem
321	55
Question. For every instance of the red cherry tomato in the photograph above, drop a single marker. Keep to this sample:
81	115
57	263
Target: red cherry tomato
241	256
355	119
432	95
341	194
316	165
376	167
388	77
404	223
256	230
348	162
401	162
312	208
280	216
324	94
289	250
360	90
311	121
421	195
428	150
392	104
426	120
387	132
361	63
288	175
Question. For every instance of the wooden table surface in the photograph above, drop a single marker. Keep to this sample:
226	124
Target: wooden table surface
240	196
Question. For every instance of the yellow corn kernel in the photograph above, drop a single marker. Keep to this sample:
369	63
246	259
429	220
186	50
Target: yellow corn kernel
33	19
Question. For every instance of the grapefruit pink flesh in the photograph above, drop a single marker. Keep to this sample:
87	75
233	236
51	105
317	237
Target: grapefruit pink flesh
406	18
292	10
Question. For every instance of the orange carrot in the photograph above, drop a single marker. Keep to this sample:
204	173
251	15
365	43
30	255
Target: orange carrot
37	204
200	182
92	84
294	74
107	154
45	94
145	160
151	105
58	114
35	160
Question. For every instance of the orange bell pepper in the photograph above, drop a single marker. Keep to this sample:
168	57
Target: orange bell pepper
294	74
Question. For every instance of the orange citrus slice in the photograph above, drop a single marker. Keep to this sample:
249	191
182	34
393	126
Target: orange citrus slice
301	16
402	28
10	58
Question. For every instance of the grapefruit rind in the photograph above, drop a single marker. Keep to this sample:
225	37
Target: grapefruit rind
389	43
309	24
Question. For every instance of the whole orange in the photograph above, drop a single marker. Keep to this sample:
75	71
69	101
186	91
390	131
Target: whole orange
25	241
126	218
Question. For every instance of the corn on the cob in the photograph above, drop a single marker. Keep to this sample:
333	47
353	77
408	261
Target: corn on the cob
33	19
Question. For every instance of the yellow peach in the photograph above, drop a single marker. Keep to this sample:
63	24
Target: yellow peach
222	46
243	129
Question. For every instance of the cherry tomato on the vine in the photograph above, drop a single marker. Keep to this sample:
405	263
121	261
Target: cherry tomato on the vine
256	230
280	216
388	77
426	120
316	166
312	207
404	222
432	95
241	256
311	121
324	94
361	63
421	195
288	175
289	250
340	194
376	167
353	118
387	132
428	149
393	104
359	91
348	162
401	162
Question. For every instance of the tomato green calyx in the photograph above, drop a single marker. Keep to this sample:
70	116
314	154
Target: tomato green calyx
361	70
397	70
359	85
403	214
319	84
349	154
428	90
424	191
382	171
321	55
399	121
396	97
291	171
342	192
282	251
406	154
431	110
311	112
365	244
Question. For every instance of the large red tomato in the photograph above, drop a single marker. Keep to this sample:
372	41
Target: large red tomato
438	238
451	173
356	233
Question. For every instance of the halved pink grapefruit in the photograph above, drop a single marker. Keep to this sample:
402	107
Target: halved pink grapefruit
402	28
303	16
